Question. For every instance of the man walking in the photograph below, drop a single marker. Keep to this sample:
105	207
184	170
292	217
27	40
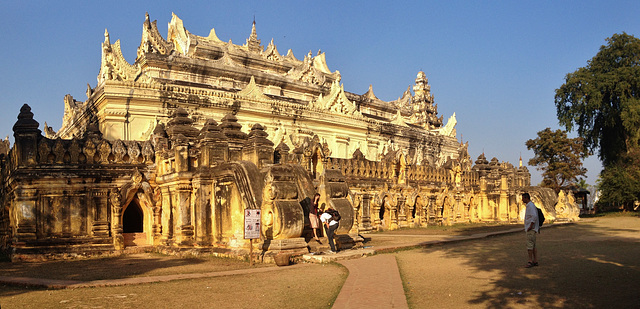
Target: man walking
531	227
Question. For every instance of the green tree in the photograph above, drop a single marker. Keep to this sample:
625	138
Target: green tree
558	157
602	100
620	183
582	184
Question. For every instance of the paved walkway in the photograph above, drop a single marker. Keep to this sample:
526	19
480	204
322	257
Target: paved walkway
373	282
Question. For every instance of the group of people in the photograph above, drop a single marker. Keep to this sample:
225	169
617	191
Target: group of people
531	226
317	215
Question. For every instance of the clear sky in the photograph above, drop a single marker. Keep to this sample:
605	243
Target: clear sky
496	64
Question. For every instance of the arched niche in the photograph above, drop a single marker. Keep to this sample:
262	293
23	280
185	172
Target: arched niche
137	214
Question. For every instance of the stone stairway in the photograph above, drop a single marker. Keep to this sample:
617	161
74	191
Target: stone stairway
134	239
315	247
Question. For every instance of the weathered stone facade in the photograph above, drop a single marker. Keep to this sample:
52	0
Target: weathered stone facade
170	151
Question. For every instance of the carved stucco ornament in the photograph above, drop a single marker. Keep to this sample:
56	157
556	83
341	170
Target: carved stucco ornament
253	91
336	101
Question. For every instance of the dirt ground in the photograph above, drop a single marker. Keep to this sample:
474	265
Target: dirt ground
592	264
127	266
314	286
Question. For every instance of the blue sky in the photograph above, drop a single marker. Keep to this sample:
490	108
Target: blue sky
496	64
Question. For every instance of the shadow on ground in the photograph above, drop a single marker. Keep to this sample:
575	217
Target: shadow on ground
592	264
113	268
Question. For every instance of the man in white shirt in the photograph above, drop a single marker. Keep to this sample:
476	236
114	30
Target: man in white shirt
330	227
531	227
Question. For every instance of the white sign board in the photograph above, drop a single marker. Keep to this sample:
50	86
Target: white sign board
251	223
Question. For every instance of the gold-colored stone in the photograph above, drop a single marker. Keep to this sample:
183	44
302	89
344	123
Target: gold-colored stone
169	151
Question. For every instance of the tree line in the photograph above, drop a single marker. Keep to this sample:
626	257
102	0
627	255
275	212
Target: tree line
601	102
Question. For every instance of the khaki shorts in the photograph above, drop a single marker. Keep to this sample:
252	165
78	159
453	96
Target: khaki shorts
313	219
531	240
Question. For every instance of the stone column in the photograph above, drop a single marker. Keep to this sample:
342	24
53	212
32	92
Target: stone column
167	216
459	208
183	212
503	206
483	203
116	219
100	226
156	227
365	222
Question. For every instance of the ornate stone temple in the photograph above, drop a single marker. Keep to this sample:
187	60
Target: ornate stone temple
169	151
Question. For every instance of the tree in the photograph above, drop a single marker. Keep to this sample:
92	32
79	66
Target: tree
582	184
603	99
620	183
559	157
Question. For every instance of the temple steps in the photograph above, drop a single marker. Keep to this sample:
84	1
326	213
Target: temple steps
135	239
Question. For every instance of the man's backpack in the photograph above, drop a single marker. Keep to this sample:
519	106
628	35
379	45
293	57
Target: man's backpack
335	215
540	217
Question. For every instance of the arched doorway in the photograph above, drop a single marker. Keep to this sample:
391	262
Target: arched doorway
384	215
133	224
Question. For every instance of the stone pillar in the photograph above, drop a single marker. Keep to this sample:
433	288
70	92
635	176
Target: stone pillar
156	226
100	226
459	207
199	205
504	199
116	219
365	221
167	216
183	212
483	202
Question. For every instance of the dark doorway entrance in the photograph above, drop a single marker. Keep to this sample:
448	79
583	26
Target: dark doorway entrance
132	219
133	225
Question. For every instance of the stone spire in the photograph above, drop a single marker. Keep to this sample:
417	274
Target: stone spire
425	114
253	44
26	135
180	123
26	123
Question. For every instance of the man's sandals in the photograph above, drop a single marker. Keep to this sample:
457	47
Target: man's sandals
530	264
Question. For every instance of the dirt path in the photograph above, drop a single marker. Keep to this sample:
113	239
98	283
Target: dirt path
592	264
